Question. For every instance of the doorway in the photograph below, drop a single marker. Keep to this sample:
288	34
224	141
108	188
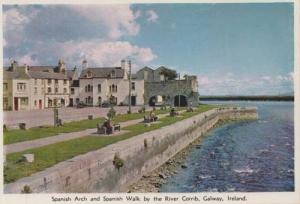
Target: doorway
133	100
40	104
16	103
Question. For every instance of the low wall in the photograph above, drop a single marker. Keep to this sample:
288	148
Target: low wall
95	172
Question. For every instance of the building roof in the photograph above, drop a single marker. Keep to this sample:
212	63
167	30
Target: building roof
15	75
70	73
41	68
103	72
46	75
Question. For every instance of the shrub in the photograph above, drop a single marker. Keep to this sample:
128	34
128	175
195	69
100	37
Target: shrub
26	189
145	143
111	113
118	162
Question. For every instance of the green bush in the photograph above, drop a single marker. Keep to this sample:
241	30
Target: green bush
111	113
26	189
118	162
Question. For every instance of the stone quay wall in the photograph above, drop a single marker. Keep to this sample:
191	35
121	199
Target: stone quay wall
95	172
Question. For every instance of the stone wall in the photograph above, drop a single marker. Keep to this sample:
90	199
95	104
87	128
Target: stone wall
169	89
95	172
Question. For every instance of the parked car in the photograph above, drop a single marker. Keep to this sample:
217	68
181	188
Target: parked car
105	104
80	105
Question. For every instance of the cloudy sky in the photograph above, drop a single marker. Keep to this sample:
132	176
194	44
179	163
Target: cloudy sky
232	48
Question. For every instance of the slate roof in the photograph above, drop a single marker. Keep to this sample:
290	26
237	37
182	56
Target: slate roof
15	75
70	73
103	72
35	72
46	75
41	68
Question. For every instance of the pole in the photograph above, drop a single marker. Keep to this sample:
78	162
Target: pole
129	96
179	92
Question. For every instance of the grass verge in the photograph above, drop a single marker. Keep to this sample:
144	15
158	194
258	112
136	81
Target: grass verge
14	136
50	155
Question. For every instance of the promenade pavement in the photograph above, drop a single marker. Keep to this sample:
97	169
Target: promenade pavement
21	146
35	118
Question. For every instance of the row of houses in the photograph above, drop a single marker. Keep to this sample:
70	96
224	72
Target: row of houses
37	87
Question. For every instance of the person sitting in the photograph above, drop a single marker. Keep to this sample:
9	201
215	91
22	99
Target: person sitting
109	126
173	112
153	117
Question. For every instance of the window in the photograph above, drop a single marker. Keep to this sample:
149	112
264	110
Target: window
5	86
145	75
24	101
49	90
89	88
113	88
35	103
113	74
49	103
132	85
56	90
56	81
65	90
99	88
49	82
89	74
65	81
35	90
72	90
21	86
35	82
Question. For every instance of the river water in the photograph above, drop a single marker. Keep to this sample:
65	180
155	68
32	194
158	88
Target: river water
256	156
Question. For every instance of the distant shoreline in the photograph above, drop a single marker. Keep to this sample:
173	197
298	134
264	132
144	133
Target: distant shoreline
247	98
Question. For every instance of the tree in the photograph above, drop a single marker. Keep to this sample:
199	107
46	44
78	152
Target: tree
169	73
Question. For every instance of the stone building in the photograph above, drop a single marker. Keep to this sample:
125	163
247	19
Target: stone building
160	88
109	84
35	87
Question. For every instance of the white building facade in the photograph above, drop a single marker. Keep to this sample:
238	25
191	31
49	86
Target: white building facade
109	84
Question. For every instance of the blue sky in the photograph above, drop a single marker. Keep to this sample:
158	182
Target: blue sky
232	48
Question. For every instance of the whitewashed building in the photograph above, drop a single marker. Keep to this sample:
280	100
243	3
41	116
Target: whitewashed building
35	87
109	84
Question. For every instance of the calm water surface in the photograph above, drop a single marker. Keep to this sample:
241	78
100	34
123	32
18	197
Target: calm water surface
243	157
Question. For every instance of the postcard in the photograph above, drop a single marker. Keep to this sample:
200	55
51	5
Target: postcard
150	102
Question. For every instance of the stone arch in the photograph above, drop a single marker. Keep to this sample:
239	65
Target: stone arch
180	100
157	99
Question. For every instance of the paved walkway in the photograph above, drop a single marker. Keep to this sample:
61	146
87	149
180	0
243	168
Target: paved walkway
21	146
35	118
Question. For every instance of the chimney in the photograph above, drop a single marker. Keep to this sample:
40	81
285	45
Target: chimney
14	66
84	64
61	66
123	64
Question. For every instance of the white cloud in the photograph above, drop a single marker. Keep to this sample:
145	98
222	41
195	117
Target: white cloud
97	52
13	23
28	60
230	84
152	16
118	19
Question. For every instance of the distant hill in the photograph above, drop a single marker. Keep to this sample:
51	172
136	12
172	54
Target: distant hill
248	98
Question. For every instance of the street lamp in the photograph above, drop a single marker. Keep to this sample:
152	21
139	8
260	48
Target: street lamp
129	96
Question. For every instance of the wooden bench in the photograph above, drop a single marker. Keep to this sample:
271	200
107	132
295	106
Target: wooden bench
149	119
117	127
101	129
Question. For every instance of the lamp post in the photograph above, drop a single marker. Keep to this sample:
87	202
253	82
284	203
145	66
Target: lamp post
129	96
179	92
